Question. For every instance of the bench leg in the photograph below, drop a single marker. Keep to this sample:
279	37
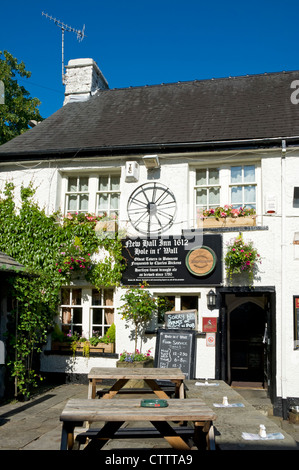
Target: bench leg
170	435
201	430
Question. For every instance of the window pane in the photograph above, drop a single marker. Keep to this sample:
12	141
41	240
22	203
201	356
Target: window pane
72	203
213	176
66	316
201	177
236	174
114	201
214	196
249	194
77	315
72	184
76	297
249	173
236	195
103	202
65	296
189	302
103	183
77	329
97	316
201	197
96	297
109	313
108	297
83	184
115	183
83	202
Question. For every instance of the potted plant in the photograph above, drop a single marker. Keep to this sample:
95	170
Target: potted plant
241	257
138	308
226	216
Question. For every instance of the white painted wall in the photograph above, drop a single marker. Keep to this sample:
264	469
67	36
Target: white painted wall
174	172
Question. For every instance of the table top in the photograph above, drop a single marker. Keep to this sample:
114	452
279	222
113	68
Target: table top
136	373
128	409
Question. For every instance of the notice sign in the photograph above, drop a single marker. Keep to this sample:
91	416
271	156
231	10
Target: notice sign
172	261
210	340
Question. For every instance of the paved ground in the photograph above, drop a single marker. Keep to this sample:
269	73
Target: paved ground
35	425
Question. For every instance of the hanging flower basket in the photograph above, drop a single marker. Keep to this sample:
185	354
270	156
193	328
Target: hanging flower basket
241	257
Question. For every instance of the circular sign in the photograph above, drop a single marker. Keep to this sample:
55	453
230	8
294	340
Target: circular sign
201	261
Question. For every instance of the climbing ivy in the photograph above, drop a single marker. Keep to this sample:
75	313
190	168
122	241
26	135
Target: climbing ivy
52	249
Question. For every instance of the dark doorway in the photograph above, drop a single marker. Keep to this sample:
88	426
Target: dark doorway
247	347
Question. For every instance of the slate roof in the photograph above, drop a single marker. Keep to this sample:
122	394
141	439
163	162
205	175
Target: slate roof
8	264
184	114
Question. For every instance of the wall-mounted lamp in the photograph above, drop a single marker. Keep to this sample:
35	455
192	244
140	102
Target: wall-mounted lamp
211	300
151	161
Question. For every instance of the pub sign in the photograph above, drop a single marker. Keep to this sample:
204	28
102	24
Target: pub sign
173	261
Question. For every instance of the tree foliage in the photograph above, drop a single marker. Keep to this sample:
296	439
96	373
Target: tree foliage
19	107
44	244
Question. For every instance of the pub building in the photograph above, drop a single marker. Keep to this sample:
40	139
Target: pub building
156	158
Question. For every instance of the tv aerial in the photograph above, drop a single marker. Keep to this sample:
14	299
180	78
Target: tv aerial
65	27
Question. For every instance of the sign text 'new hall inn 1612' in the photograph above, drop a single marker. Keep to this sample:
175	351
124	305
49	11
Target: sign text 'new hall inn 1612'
173	260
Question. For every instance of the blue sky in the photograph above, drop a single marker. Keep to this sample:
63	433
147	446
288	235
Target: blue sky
148	42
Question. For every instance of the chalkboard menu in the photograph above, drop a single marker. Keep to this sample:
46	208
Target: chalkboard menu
176	349
181	319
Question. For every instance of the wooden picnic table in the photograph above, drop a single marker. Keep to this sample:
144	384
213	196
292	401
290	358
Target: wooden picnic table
114	413
122	375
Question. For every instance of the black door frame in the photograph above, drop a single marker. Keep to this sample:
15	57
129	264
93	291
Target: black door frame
221	372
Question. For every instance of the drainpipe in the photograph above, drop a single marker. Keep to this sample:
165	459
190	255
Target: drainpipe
283	280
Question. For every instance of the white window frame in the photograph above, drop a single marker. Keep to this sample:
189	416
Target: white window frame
225	185
86	304
109	192
93	189
243	184
102	327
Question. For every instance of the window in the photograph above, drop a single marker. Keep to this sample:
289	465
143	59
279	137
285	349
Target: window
176	302
102	311
86	311
108	195
71	311
234	185
93	194
243	186
207	189
77	196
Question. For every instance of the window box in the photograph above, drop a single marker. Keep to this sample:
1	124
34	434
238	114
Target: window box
106	226
221	222
100	347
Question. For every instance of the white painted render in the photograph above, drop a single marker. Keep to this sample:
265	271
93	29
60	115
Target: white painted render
277	176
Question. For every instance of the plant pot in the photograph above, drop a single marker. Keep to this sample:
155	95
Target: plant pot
213	222
136	364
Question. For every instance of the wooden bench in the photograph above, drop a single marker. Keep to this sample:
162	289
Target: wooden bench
157	379
114	413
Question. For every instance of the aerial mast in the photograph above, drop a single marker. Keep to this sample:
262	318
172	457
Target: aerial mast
65	27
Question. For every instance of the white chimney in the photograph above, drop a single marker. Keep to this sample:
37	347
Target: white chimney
83	78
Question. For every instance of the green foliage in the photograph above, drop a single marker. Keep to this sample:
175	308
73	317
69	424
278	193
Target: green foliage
139	306
18	108
241	257
37	241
